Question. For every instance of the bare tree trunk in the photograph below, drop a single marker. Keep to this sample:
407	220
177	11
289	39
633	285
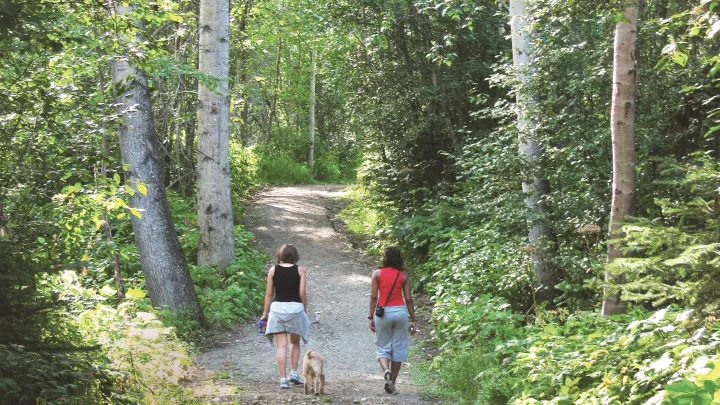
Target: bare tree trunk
311	149
4	231
244	56
547	276
106	224
215	221
161	258
276	91
622	128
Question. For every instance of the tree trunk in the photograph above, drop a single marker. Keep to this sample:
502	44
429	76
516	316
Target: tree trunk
276	91
215	221
547	276
117	271
311	149
244	56
161	258
622	128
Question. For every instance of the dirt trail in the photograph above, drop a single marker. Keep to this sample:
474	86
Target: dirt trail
241	367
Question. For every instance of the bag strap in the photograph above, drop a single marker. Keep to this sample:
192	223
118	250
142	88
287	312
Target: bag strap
391	288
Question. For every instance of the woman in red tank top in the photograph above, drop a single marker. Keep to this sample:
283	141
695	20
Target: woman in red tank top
391	291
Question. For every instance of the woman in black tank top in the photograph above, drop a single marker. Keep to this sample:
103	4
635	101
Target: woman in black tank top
287	283
286	311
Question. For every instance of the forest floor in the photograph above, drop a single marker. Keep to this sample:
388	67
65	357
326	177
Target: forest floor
239	366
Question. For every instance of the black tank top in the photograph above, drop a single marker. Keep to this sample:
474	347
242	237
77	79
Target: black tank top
287	284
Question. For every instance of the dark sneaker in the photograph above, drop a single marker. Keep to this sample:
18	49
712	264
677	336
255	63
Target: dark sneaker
389	386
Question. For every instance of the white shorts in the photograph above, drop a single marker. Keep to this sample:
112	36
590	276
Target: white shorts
391	334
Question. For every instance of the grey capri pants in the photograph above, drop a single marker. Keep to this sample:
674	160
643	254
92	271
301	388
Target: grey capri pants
391	334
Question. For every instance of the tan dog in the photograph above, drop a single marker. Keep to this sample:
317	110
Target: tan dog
313	373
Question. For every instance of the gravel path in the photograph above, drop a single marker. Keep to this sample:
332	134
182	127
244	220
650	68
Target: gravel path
241	367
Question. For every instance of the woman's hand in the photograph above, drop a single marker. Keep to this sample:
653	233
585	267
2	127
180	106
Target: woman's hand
371	323
411	328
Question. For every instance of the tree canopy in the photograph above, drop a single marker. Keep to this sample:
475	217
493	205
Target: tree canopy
494	175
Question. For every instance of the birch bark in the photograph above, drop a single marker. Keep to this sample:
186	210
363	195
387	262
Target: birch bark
215	219
622	128
547	276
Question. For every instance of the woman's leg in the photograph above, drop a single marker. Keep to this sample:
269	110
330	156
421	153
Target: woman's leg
281	352
384	363
294	351
395	370
399	342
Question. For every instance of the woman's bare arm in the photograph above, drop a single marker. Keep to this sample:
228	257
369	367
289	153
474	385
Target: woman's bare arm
409	301
373	298
268	292
303	288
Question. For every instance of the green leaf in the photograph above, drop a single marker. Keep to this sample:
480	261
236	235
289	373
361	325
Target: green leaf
107	291
680	58
681	388
129	189
135	293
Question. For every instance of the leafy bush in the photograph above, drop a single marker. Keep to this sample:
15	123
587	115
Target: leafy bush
366	217
467	368
331	168
676	258
283	170
587	359
236	293
31	377
231	297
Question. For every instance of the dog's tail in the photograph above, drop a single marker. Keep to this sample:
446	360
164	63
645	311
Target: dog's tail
307	354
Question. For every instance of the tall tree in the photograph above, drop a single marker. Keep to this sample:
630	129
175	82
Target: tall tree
215	221
161	257
622	128
311	149
547	276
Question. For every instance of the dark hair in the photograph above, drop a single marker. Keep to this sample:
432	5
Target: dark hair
288	254
392	258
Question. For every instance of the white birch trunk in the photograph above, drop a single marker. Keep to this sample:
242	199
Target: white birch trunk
161	257
540	235
215	219
311	150
622	128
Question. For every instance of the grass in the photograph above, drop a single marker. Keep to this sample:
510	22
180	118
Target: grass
283	171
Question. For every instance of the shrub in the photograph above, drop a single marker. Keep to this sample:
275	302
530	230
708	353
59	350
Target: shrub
593	360
281	169
236	293
676	258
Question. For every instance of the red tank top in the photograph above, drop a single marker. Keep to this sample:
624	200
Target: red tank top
387	276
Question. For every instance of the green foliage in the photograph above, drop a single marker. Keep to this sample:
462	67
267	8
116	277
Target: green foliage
704	390
243	177
283	170
29	377
588	359
675	258
366	218
467	368
236	293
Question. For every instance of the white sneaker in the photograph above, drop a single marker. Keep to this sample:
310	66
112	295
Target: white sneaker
389	386
284	383
295	378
